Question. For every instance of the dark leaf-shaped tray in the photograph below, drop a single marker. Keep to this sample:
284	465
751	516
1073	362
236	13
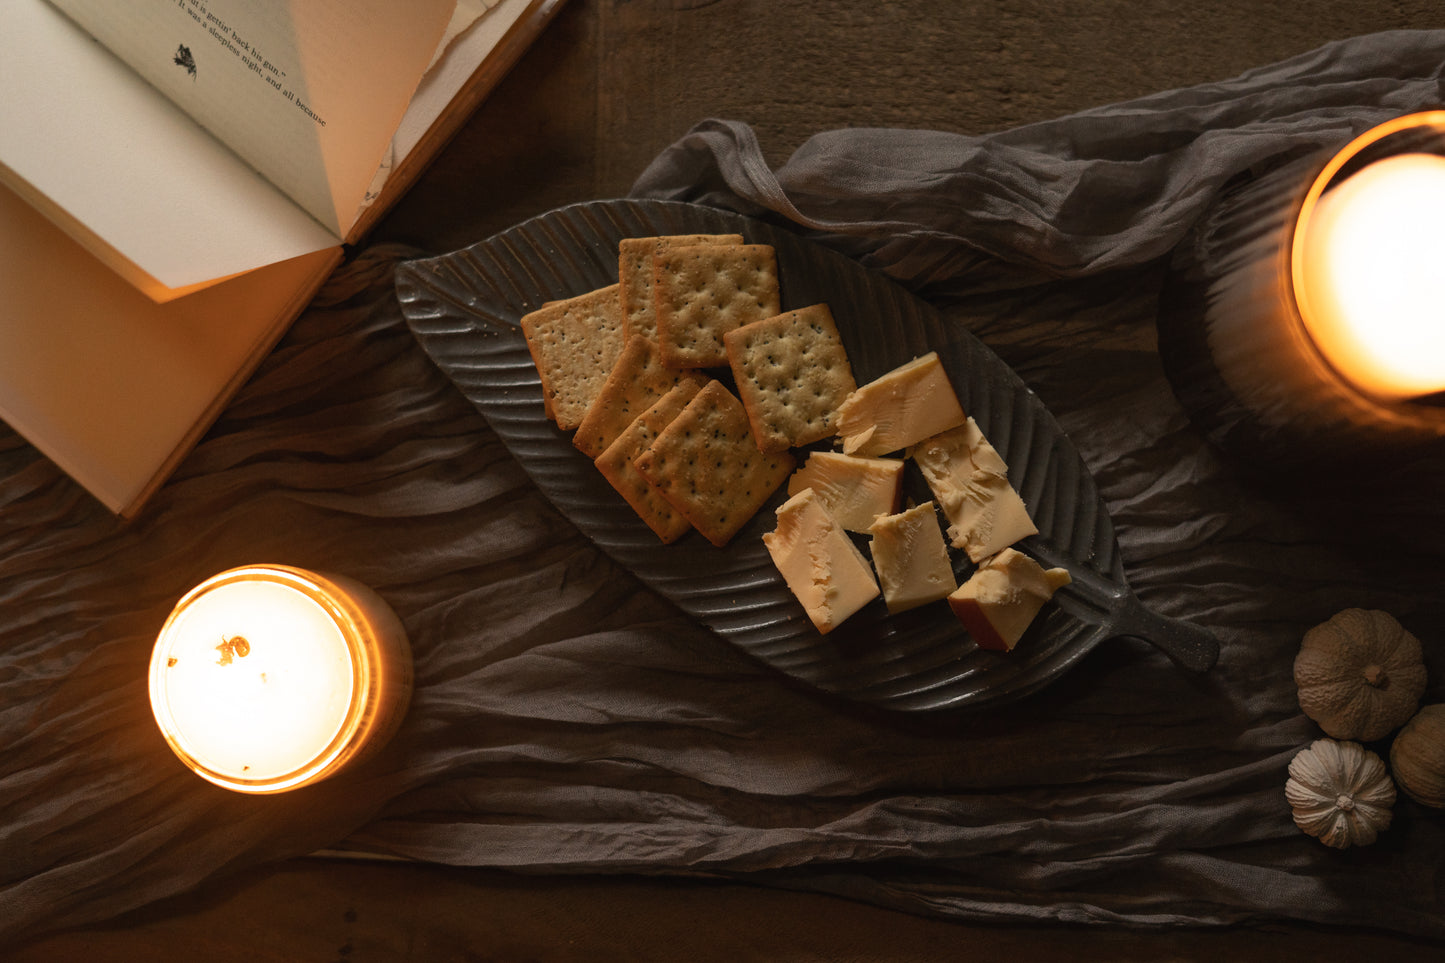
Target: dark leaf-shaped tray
464	309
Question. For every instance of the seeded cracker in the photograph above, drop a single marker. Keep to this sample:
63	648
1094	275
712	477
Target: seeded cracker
701	292
616	466
636	381
708	467
634	274
574	344
792	374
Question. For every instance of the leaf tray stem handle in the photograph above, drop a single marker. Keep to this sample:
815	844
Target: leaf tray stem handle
1190	646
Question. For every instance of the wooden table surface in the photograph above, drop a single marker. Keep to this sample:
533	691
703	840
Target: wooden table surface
609	84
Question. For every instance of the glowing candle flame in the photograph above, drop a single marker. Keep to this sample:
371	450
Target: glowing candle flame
1368	277
267	678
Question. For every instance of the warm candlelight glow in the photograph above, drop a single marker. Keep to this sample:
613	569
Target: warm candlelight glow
266	678
1370	274
1301	321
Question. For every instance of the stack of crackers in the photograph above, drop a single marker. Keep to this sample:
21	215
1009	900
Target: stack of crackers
686	383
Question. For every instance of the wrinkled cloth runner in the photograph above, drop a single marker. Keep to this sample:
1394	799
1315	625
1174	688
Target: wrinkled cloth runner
568	720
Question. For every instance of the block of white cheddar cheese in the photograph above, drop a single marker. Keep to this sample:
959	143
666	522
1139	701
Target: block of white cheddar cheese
903	407
854	490
820	563
911	559
1000	599
970	482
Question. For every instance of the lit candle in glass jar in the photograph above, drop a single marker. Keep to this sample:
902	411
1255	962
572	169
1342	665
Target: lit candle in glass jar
1300	321
266	678
1369	275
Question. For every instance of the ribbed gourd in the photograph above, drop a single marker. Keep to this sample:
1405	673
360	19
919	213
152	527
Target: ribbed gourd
1417	757
1360	675
1340	793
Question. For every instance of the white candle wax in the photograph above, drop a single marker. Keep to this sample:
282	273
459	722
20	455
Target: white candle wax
266	678
1368	277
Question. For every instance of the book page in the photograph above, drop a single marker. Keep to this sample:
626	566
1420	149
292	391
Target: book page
113	387
308	92
83	132
455	59
450	70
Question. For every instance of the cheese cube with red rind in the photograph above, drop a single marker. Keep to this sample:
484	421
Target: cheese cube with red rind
908	404
1001	598
911	559
854	490
819	562
970	483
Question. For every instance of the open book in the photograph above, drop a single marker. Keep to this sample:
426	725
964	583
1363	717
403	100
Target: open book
178	177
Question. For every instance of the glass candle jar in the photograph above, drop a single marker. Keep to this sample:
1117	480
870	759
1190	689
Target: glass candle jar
1283	324
266	678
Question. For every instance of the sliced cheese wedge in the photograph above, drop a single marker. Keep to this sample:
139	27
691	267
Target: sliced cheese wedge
820	563
1002	597
911	559
970	481
853	490
903	407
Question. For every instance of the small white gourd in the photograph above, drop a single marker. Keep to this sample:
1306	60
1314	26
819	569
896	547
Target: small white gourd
1340	793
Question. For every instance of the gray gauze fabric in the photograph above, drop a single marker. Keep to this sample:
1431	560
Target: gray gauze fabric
568	720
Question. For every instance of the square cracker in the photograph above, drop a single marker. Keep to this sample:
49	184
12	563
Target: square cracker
636	381
792	374
702	291
634	274
574	344
708	467
616	466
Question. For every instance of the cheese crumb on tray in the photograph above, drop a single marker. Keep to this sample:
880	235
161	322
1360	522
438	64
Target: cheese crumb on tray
819	562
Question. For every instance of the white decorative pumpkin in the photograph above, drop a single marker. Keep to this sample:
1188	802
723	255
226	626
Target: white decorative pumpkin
1340	793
